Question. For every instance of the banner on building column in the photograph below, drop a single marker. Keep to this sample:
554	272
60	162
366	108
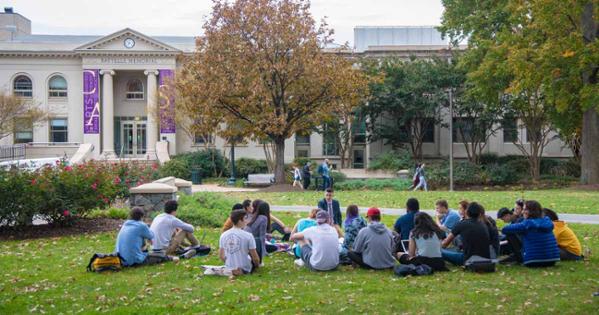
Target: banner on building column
166	101
91	101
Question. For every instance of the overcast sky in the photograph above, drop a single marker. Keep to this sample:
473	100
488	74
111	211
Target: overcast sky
185	17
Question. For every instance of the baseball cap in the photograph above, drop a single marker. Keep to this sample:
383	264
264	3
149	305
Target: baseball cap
373	211
322	217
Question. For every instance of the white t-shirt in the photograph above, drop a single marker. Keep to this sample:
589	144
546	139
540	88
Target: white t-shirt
325	246
237	244
163	226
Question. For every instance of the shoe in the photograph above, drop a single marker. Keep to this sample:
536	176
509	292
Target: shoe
299	262
188	254
508	260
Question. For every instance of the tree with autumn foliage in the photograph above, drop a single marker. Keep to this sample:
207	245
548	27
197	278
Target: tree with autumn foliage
260	67
543	50
16	110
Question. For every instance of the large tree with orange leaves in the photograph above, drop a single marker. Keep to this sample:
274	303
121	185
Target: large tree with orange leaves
260	71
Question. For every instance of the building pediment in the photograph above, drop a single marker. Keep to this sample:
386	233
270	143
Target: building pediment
127	40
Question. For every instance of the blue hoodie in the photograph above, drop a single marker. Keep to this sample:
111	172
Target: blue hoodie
539	244
130	241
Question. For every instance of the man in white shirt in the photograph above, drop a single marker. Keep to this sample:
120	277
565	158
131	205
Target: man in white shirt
319	244
170	232
236	246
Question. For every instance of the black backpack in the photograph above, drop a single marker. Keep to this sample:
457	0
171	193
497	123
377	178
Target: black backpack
480	264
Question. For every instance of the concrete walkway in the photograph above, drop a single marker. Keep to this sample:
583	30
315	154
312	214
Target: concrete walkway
570	218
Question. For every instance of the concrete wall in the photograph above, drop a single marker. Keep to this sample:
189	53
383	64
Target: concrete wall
22	25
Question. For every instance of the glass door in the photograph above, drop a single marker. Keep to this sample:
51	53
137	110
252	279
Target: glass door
133	135
358	161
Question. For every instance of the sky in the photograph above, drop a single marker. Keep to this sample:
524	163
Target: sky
185	17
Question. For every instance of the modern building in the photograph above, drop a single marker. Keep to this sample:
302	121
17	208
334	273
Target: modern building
98	89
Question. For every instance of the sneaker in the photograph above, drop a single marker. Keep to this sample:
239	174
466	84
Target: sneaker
188	254
299	262
508	260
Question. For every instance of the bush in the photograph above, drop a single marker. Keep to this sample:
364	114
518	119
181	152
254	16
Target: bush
560	167
210	162
393	161
204	209
338	177
245	166
110	213
502	175
130	174
19	198
176	168
374	184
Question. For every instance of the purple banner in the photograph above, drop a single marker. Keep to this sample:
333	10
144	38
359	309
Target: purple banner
167	101
91	101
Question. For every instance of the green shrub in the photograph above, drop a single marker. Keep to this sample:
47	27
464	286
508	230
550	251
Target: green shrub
338	177
245	166
210	162
502	175
177	168
110	213
204	209
560	167
393	161
19	198
374	184
131	174
301	161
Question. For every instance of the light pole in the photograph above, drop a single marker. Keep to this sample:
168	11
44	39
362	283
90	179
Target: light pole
232	179
450	139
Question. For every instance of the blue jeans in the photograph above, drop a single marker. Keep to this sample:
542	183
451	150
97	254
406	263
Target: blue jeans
326	182
421	184
454	257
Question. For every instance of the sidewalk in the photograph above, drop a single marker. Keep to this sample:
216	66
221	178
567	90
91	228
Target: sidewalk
568	217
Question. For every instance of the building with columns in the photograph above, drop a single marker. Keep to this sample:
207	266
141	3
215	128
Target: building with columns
104	91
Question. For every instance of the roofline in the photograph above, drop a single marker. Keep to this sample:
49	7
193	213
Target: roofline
126	29
15	13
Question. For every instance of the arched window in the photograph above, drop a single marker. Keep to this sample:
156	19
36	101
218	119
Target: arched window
22	86
57	86
135	90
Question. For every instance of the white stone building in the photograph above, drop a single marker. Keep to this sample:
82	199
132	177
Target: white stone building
97	90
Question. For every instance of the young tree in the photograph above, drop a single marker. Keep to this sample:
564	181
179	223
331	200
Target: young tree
407	100
260	65
15	110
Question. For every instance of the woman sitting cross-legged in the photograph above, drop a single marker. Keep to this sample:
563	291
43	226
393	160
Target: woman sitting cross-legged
538	242
425	244
237	248
353	224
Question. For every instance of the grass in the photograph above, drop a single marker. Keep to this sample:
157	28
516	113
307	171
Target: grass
48	276
563	200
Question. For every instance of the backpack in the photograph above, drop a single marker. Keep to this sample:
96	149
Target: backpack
479	264
104	262
412	270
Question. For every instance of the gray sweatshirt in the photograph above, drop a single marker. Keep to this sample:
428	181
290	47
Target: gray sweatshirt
375	242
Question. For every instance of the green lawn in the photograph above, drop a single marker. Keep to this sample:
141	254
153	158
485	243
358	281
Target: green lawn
563	201
48	276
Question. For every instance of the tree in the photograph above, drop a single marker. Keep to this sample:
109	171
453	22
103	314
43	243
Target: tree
17	110
260	65
558	37
406	100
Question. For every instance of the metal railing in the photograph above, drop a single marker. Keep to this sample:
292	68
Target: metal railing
12	152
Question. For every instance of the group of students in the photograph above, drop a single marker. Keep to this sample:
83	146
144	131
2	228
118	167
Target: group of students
533	236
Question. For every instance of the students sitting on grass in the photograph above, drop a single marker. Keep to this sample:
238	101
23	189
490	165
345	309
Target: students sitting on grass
279	226
538	242
171	233
320	244
474	234
246	205
518	211
237	248
258	226
132	237
425	244
301	225
513	248
373	248
493	232
462	207
331	206
405	223
448	218
568	243
353	224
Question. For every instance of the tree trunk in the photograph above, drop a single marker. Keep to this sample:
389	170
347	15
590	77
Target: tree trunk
590	147
279	160
590	120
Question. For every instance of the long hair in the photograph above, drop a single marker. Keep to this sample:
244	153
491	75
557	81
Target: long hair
263	209
351	213
425	227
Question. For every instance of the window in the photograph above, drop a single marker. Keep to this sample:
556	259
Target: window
532	136
202	139
59	130
510	130
302	139
462	130
301	153
359	131
22	86
57	86
329	143
428	124
135	90
23	131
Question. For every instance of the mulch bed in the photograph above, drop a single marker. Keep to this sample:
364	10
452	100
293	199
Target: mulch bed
81	226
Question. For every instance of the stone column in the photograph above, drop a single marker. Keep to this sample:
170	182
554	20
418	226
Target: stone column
152	113
107	115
